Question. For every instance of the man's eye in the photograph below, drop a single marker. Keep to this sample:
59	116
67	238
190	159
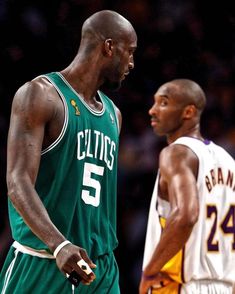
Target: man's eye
163	103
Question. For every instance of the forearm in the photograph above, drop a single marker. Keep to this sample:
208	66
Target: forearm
173	238
28	204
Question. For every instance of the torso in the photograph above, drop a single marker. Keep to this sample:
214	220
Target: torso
162	189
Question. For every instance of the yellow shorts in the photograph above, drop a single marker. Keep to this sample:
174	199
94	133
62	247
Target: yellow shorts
170	288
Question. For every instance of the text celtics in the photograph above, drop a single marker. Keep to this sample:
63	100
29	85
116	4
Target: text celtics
94	144
220	177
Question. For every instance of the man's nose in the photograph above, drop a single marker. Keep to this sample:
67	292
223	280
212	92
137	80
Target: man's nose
131	64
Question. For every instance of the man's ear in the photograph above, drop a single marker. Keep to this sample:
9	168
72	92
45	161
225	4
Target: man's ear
108	47
189	111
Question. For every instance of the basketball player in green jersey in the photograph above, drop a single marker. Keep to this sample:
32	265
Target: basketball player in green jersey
62	168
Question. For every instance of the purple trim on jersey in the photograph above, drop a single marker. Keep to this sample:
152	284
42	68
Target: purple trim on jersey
206	141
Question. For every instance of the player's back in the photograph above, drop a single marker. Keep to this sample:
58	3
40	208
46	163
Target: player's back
210	251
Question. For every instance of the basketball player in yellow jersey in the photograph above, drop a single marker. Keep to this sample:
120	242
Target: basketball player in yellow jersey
190	242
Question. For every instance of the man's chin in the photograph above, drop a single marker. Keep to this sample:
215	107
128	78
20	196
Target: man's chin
158	132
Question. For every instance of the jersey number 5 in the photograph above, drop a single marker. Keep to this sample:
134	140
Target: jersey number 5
227	226
88	181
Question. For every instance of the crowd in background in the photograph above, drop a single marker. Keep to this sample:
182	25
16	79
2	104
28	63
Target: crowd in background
176	39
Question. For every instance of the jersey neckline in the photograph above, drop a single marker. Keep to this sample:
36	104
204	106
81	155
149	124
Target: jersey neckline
204	141
98	113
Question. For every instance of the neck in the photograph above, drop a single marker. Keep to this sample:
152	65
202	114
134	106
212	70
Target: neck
84	77
193	132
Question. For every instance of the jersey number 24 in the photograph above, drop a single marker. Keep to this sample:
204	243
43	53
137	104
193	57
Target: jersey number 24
227	225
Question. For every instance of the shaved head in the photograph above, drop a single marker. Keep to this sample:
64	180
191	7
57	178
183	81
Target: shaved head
108	42
189	92
106	24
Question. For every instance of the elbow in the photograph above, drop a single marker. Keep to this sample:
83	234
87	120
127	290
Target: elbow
191	220
187	219
15	184
11	187
15	188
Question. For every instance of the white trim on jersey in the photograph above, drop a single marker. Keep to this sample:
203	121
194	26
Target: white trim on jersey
116	115
26	250
98	113
31	251
8	273
66	117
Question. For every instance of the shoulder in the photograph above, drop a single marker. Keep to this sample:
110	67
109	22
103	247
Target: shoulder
177	151
176	157
36	97
37	88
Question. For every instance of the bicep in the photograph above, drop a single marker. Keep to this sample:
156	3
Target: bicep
28	119
182	189
178	168
24	147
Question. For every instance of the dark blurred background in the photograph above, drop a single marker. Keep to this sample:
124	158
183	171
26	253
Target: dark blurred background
192	39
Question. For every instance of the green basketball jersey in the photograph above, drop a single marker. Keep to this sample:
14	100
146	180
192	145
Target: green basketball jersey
77	176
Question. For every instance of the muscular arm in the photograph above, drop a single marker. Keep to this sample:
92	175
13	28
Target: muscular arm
178	168
35	109
32	109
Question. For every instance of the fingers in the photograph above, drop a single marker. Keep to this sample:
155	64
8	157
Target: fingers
79	272
74	262
87	259
67	269
145	287
84	266
85	272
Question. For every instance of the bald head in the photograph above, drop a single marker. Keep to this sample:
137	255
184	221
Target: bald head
106	24
188	92
106	51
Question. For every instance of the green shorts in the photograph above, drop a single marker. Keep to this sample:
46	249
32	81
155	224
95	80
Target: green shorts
26	274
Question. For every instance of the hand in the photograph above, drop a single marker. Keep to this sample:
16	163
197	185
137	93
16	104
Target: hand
67	260
155	281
